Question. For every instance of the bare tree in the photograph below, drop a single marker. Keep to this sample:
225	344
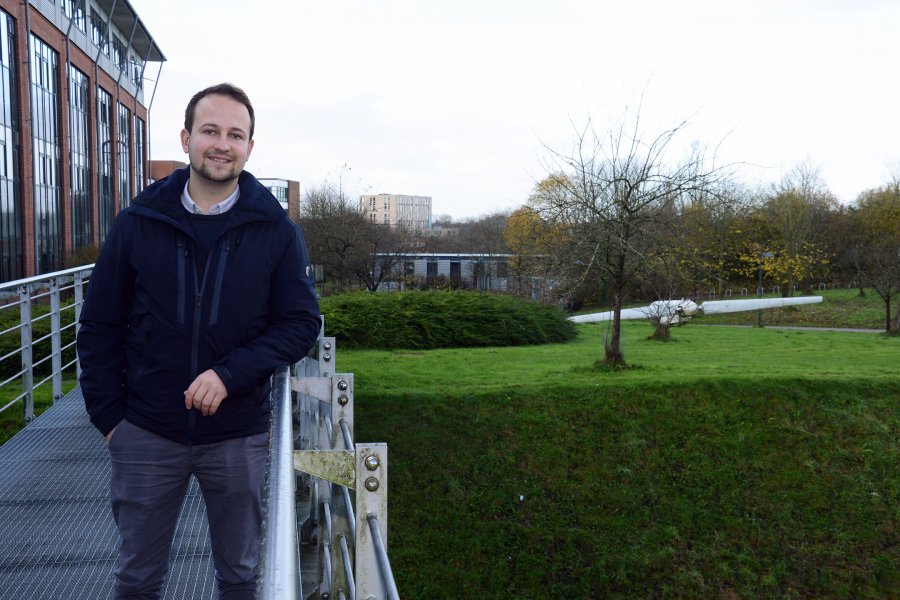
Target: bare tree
380	249
878	217
611	192
342	238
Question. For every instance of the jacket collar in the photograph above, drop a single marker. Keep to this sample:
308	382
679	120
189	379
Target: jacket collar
162	199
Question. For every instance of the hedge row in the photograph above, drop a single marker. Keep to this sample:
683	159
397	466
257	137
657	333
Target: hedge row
441	319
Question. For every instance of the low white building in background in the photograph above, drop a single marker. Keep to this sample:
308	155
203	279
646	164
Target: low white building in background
469	271
412	212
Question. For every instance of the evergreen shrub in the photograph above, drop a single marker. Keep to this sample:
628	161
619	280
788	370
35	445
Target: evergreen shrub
441	319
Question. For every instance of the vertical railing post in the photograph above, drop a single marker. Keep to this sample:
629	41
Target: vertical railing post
373	577
79	300
341	411
55	339
27	355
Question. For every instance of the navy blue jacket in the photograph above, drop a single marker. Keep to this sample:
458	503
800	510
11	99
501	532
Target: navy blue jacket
154	318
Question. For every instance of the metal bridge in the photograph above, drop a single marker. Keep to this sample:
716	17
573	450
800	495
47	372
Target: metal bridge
325	526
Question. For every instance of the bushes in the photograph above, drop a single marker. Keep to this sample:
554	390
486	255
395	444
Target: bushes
425	320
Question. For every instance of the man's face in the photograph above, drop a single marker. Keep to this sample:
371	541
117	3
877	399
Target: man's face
219	143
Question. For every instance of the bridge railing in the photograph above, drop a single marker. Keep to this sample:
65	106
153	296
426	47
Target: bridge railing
340	485
40	316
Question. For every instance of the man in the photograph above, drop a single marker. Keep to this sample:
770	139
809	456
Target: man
201	290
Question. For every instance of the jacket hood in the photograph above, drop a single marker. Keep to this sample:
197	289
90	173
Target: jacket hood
163	198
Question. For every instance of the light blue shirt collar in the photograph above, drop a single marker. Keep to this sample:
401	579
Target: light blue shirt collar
217	209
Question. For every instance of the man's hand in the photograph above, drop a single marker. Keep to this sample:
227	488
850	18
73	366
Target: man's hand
110	434
205	393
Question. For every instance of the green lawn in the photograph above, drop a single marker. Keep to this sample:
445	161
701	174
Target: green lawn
730	463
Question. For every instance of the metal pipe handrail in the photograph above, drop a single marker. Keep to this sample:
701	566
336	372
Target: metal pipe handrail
14	285
384	562
279	574
348	566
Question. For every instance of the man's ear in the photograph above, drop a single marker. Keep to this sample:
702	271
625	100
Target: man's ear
249	149
185	138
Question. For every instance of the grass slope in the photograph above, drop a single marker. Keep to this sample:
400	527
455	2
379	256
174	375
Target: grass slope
732	463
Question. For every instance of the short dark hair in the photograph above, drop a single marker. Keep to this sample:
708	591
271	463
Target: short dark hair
221	89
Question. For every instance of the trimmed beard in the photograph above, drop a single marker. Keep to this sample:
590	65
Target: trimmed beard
205	172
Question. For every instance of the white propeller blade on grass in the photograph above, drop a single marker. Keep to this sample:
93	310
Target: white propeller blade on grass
679	311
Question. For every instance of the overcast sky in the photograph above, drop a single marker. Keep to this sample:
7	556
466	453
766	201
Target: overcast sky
459	100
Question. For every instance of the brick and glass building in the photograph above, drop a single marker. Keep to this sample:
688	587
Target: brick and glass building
287	192
73	126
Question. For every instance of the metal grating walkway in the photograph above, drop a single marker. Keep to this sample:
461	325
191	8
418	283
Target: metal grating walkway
57	537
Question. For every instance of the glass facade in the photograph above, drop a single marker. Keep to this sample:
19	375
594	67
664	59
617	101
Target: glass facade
123	150
140	159
10	190
73	152
104	153
80	157
45	128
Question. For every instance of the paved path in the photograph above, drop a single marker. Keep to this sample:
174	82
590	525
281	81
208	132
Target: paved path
843	329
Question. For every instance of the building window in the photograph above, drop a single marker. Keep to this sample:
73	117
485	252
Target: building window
140	158
137	73
80	157
119	55
74	10
123	154
98	32
104	153
45	128
431	269
10	190
281	194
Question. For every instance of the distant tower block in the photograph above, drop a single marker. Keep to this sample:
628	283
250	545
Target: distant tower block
412	212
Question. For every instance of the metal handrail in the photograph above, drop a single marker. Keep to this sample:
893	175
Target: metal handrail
23	294
279	577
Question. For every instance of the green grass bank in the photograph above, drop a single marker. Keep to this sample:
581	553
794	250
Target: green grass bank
730	463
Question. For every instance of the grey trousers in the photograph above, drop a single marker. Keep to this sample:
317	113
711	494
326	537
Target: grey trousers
150	475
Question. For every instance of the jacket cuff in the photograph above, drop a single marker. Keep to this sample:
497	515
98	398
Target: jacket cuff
224	374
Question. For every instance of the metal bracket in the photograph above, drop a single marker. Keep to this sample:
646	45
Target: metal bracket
314	387
336	466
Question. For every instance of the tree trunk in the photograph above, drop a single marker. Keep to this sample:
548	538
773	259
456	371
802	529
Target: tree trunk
613	350
887	312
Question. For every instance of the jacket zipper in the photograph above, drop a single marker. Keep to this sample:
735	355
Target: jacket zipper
217	288
199	287
182	257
